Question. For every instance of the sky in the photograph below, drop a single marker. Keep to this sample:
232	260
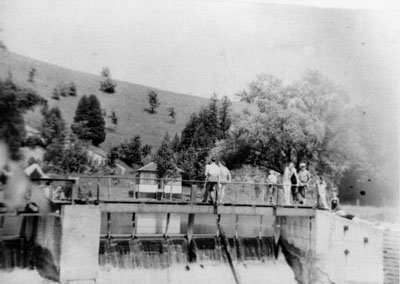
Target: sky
201	47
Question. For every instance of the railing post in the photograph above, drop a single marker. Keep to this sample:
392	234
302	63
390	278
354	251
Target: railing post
133	225
170	192
237	193
193	191
109	188
75	189
98	189
108	225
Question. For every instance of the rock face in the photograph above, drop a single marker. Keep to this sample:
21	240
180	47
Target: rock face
331	249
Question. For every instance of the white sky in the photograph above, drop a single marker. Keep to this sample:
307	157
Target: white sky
200	47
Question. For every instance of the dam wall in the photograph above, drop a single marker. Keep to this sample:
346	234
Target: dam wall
319	246
332	249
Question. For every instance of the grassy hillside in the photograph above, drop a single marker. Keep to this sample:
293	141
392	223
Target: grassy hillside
129	101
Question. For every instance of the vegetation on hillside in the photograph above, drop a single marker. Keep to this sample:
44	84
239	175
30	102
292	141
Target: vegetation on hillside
89	122
107	84
154	102
130	152
14	102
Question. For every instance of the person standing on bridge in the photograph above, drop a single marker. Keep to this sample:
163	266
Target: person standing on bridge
213	174
225	178
290	180
304	179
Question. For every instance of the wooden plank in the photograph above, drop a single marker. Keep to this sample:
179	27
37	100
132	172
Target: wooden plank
293	211
155	208
184	209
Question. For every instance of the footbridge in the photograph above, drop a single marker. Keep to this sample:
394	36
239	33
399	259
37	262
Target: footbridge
115	221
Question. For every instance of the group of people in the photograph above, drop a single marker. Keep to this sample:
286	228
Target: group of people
294	184
217	176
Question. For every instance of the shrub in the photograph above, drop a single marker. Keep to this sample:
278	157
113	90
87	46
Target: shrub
33	141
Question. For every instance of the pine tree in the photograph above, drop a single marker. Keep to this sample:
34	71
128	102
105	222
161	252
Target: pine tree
154	102
53	126
32	73
96	122
164	159
89	122
131	152
176	143
172	114
225	120
114	118
107	85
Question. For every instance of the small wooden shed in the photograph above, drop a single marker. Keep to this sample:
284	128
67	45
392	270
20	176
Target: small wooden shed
148	185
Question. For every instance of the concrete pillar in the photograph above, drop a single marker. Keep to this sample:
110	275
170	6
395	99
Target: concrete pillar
80	238
332	249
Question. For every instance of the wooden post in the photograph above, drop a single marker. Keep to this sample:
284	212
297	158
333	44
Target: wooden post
167	225
191	246
193	192
225	246
133	225
109	188
237	193
98	189
190	227
108	225
236	226
261	227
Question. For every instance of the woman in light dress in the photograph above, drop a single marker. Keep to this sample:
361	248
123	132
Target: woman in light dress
290	180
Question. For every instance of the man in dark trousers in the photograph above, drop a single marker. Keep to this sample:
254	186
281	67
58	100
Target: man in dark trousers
304	178
212	173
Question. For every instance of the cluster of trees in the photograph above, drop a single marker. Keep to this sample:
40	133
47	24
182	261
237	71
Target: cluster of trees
310	120
191	149
64	90
154	103
14	102
130	152
89	123
62	156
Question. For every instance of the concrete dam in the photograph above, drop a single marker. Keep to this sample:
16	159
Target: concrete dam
71	244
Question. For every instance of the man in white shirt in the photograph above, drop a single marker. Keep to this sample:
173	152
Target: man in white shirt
225	177
212	179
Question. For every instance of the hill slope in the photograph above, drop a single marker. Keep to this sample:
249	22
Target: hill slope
129	101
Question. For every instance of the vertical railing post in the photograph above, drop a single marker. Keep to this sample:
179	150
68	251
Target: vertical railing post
237	193
109	189
264	188
170	191
133	225
193	191
108	225
98	189
75	189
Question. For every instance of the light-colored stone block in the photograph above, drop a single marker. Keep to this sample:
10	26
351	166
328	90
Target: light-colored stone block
79	243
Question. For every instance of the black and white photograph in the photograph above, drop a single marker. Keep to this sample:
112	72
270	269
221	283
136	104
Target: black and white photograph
199	141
